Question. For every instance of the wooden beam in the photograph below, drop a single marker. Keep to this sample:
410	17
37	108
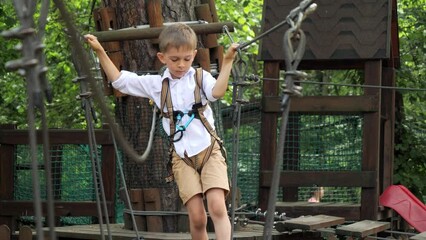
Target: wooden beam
56	136
71	209
388	111
269	121
152	33
371	141
321	104
321	178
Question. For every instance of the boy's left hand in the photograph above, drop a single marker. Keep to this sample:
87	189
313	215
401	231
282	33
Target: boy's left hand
231	52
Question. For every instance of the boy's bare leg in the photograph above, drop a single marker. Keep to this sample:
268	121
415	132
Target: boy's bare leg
197	217
217	210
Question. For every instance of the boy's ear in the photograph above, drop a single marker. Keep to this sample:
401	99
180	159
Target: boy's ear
160	56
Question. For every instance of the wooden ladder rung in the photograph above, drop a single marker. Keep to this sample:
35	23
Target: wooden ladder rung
420	236
362	229
309	223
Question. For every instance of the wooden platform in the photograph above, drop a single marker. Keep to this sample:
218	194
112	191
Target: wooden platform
420	236
309	223
362	229
251	232
295	209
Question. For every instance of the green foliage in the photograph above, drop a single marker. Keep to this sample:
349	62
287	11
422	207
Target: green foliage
65	110
410	167
246	16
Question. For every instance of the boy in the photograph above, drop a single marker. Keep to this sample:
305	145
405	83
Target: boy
178	44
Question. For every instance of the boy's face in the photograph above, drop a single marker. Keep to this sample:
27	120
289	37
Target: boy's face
177	60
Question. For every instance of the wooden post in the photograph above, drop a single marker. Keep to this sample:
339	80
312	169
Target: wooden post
203	58
216	56
155	19
371	142
153	203
203	13
109	175
138	204
213	11
388	111
269	121
7	160
388	128
105	20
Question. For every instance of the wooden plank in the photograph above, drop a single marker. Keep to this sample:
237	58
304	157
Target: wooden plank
25	233
17	208
4	232
250	232
324	104
310	222
362	229
56	136
350	212
153	203
321	178
420	236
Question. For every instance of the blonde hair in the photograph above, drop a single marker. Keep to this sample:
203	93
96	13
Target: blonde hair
177	35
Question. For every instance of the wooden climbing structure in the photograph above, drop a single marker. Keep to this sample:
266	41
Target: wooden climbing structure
361	35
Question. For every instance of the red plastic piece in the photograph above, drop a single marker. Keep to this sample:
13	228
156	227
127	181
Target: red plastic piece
408	206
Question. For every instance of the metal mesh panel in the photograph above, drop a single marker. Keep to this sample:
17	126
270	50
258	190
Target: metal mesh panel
325	143
248	155
71	175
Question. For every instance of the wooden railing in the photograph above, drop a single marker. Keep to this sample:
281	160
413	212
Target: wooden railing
11	209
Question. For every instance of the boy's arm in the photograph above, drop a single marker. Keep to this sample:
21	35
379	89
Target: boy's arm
221	85
111	71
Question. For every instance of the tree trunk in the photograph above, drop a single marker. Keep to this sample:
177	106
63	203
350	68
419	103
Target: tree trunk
135	113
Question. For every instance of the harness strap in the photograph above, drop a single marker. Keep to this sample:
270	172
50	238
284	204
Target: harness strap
166	101
198	166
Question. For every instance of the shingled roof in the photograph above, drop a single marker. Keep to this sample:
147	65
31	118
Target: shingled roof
337	30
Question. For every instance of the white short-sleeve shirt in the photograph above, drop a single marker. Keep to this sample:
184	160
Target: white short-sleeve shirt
195	138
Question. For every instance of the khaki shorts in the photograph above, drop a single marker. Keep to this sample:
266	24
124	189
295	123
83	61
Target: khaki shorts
213	174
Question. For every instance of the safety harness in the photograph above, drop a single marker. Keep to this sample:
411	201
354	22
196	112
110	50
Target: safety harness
174	119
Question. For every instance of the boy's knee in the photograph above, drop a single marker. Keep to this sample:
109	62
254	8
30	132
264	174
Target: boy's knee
217	209
199	221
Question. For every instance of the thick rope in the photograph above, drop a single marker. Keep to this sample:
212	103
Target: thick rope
292	59
98	95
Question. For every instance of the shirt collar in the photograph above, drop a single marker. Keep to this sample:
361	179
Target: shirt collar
167	74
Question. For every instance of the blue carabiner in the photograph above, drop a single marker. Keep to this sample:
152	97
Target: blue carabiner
183	127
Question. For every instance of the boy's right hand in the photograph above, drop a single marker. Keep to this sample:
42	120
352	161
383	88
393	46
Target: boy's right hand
93	42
